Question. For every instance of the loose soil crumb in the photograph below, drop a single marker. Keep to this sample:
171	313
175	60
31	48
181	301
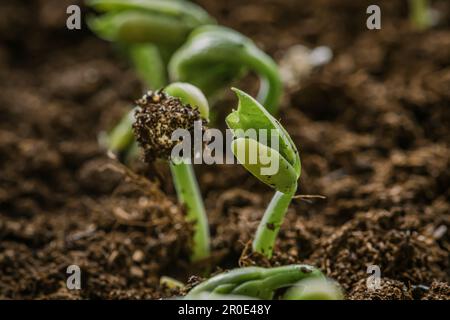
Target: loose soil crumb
438	291
389	290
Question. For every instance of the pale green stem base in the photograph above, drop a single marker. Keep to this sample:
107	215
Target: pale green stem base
150	67
121	136
189	194
314	288
419	14
271	222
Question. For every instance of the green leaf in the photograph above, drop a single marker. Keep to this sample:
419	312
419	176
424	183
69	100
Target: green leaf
139	27
256	282
252	115
255	156
185	10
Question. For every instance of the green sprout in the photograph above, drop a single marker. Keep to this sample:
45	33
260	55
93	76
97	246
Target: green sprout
255	282
419	14
251	115
166	23
158	115
214	56
148	32
173	40
162	37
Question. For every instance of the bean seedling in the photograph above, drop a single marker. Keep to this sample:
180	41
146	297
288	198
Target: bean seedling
158	115
178	39
165	23
252	115
219	55
148	32
257	282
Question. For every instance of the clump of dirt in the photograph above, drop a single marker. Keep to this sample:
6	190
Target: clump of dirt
120	242
389	290
438	291
158	115
392	241
372	128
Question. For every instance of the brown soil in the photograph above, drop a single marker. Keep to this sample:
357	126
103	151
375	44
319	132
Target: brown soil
373	129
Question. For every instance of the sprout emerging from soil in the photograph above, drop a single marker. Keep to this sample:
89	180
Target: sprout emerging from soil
178	38
255	282
148	32
158	115
252	115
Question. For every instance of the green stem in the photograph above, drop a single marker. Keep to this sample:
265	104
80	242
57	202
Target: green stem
215	56
314	288
149	65
189	194
270	87
270	224
121	136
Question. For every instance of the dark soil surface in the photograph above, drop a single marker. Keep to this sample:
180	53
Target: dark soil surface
372	126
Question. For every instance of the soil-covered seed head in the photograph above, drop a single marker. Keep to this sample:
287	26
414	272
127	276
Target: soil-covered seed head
158	115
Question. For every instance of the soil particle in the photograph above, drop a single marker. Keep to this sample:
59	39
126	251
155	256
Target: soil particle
390	240
438	291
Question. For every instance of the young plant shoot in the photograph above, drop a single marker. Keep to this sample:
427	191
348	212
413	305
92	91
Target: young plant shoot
180	38
214	56
255	282
148	32
158	115
252	117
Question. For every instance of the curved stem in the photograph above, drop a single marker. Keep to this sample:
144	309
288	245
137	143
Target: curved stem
215	56
270	87
121	136
189	194
270	224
